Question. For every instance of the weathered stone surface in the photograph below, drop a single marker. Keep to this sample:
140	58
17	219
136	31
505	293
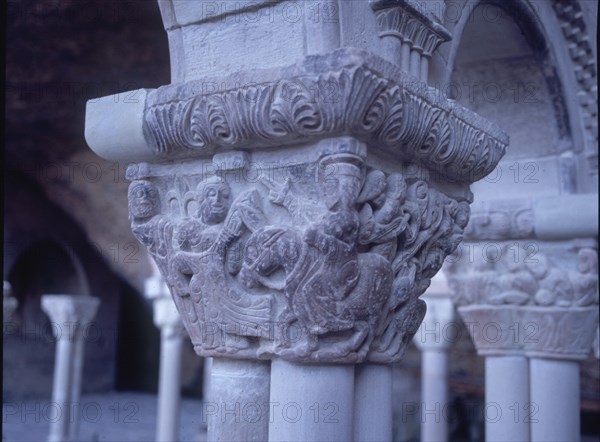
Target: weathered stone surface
536	298
299	209
318	98
317	258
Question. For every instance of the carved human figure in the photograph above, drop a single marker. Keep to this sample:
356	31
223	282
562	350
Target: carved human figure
147	224
204	243
382	216
585	280
516	283
211	200
144	200
555	288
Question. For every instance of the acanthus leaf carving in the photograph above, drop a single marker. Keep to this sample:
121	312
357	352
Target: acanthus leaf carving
378	105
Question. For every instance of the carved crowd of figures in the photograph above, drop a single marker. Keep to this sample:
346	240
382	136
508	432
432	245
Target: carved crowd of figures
326	267
519	274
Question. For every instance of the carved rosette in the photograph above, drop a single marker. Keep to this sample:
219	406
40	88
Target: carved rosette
276	232
528	297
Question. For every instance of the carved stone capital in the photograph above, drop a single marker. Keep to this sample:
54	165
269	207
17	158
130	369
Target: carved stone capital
299	212
311	254
534	298
70	313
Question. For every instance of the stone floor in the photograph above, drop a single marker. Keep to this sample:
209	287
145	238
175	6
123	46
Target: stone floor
114	417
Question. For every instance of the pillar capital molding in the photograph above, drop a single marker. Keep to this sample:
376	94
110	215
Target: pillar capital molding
407	21
534	298
296	212
349	91
74	311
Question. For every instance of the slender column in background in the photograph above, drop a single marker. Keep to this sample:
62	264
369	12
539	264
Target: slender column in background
172	333
70	315
533	317
554	409
507	398
433	339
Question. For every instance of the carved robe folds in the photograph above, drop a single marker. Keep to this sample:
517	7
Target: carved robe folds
295	225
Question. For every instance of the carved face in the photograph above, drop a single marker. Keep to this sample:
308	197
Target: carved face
143	200
216	199
461	217
340	184
587	261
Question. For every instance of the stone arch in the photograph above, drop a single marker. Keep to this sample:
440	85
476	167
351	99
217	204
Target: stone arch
45	266
557	37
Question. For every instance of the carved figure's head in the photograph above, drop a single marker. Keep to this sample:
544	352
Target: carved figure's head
587	261
461	215
215	200
143	200
340	177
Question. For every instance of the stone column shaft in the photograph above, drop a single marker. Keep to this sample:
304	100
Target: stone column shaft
9	303
61	390
169	387
434	393
554	410
432	340
239	409
70	315
311	402
507	401
172	333
373	403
